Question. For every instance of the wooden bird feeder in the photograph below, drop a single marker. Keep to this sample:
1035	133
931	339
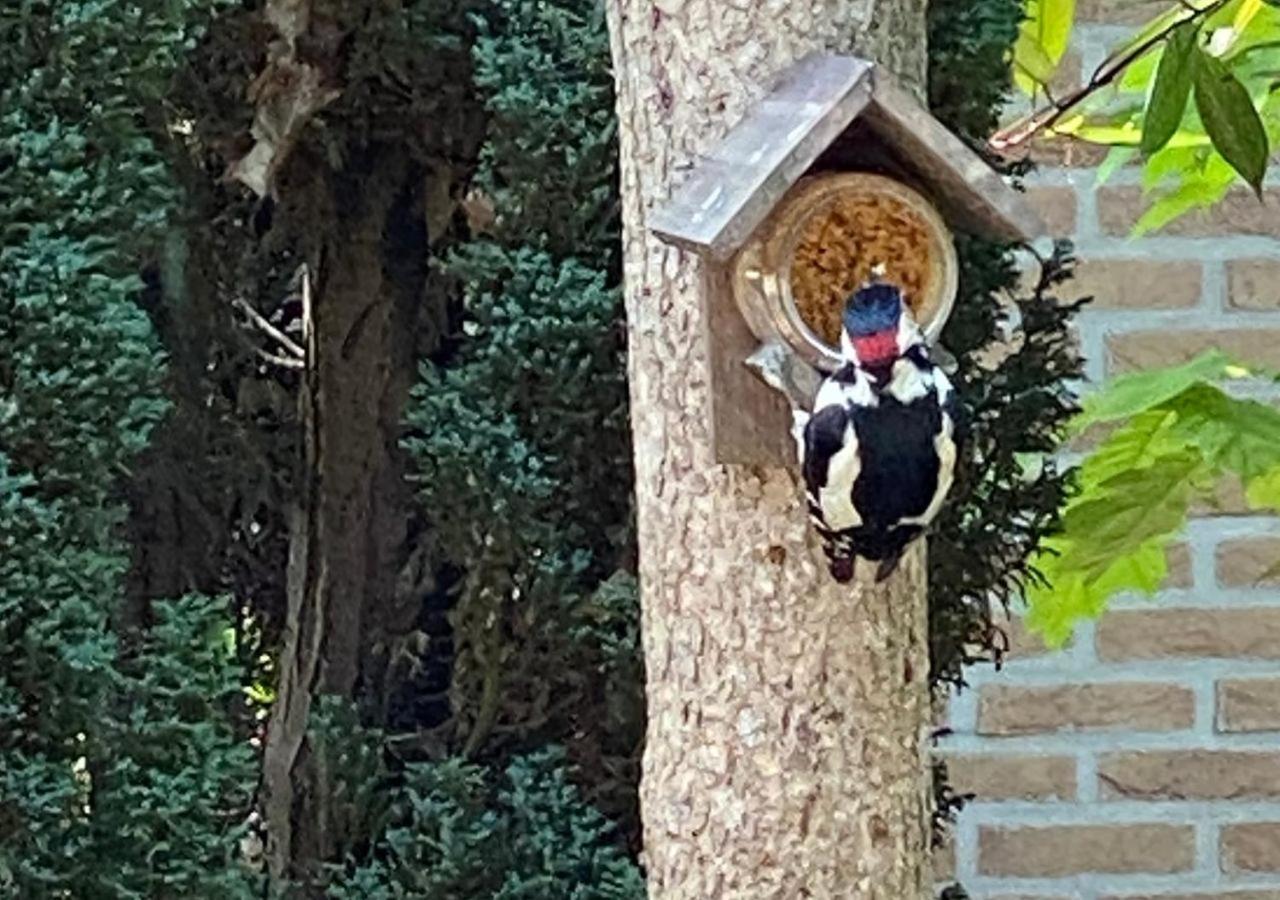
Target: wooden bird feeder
835	175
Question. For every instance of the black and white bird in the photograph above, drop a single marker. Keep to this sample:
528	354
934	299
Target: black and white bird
878	452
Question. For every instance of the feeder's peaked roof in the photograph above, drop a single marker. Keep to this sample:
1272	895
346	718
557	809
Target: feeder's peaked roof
729	193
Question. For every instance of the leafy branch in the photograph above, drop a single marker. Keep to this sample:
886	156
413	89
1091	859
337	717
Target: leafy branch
1110	69
1196	92
1176	434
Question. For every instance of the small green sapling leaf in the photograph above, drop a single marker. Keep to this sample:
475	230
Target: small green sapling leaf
1230	119
1171	90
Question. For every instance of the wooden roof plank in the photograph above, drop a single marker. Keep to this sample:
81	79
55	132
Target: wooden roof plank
728	194
965	188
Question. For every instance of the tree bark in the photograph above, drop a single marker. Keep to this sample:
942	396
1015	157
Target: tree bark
348	524
785	753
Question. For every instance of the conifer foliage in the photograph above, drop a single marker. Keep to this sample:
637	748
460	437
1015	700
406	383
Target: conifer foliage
520	434
120	774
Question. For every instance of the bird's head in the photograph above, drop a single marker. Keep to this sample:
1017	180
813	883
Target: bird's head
878	326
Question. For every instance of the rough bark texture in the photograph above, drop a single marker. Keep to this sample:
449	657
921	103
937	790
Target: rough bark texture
349	522
786	713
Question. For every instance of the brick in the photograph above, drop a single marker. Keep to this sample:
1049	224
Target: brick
1248	704
1023	643
1242	633
1144	706
1069	75
1057	206
1119	12
1251	847
1137	284
1189	775
1178	557
1067	153
1212	895
1248	562
1227	499
1089	439
1013	777
1239	212
1253	284
1129	351
1059	850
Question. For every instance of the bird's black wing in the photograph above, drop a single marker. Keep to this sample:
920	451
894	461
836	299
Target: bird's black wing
825	435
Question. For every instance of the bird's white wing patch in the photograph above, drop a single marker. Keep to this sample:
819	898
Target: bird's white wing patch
836	496
909	333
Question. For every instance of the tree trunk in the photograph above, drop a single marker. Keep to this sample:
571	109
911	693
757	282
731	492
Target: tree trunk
352	506
787	713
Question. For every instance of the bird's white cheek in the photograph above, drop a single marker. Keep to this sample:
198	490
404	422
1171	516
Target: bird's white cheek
847	349
909	333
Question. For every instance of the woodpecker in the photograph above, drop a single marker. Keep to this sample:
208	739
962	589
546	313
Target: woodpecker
878	452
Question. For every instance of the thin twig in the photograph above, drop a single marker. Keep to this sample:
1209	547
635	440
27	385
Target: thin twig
306	304
1107	72
273	331
287	361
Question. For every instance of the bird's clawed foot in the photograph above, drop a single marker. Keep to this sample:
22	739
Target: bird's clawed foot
842	569
887	567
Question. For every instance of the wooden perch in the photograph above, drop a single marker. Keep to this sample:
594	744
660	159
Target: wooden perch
780	368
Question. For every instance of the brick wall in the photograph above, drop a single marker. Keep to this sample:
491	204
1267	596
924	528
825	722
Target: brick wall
1143	761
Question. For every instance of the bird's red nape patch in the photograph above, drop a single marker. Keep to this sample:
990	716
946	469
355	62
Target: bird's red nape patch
878	348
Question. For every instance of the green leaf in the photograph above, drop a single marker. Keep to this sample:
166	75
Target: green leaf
1263	492
1178	13
1171	165
1032	67
1054	609
1180	432
1113	519
1197	190
1053	25
1143	570
1112	540
1131	394
1240	436
1138	76
1248	10
1171	90
1144	439
1042	40
1124	134
1230	119
1117	158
